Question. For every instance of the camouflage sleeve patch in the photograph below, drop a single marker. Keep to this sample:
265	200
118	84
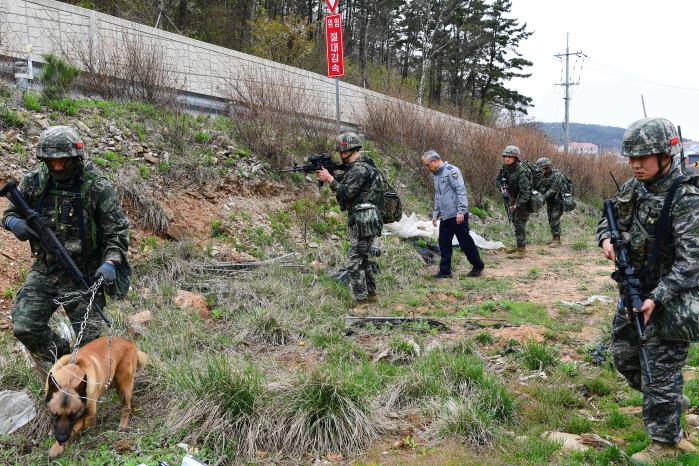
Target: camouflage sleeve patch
111	222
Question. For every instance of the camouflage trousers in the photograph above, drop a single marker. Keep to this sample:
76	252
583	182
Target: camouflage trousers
519	221
554	210
662	400
359	267
34	306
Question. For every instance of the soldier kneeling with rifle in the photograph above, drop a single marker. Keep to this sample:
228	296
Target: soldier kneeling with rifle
76	230
651	231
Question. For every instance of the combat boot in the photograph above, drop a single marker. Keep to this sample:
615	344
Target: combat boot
372	297
657	451
519	253
555	242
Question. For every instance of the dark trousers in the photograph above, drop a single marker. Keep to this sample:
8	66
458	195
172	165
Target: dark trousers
447	229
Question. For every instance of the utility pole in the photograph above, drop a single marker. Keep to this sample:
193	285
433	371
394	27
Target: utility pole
567	84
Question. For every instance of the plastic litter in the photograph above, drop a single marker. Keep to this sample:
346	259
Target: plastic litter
16	409
410	226
189	460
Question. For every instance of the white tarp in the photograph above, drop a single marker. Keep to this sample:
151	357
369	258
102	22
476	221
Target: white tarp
16	409
411	227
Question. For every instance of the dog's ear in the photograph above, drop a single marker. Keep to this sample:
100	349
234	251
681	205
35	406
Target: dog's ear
82	388
51	387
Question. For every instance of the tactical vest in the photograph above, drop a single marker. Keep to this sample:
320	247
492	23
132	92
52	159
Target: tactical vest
70	212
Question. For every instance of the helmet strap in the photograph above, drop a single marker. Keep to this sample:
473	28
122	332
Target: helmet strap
661	167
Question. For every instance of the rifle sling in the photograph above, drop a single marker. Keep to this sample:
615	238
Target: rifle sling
79	207
663	227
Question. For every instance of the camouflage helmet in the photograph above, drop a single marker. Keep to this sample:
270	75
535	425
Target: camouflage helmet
347	141
58	142
650	136
511	151
543	162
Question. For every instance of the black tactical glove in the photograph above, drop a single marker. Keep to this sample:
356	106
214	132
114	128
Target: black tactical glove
20	228
106	271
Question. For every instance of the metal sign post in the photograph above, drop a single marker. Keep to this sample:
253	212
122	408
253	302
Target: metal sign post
335	52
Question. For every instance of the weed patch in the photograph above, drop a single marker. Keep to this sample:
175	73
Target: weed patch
538	356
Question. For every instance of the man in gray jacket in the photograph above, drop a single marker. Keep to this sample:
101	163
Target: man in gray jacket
451	206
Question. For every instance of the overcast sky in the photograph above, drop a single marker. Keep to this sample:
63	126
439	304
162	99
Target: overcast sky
632	47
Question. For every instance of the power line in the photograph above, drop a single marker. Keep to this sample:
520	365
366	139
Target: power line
639	79
567	85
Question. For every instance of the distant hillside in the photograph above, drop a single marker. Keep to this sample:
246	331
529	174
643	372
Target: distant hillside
608	138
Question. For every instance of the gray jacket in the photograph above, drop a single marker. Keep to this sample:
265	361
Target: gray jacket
449	192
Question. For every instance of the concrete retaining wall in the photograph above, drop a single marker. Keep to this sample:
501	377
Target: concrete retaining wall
198	67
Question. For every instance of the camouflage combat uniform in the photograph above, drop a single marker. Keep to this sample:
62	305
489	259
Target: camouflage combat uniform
106	233
352	188
676	272
551	185
516	178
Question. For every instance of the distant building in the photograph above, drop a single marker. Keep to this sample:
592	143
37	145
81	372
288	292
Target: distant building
583	148
691	153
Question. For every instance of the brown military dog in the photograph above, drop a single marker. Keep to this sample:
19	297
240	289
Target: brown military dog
72	390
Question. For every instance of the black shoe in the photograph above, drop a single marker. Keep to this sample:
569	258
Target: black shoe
441	275
475	272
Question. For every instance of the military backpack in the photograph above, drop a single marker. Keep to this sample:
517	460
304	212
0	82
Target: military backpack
536	200
387	200
567	194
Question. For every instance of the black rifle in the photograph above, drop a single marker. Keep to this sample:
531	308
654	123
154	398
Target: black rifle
47	238
505	197
625	274
506	201
683	168
315	163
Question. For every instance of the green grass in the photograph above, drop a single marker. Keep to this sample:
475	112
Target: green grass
484	338
515	312
324	412
598	386
538	356
31	101
202	137
578	425
617	420
11	119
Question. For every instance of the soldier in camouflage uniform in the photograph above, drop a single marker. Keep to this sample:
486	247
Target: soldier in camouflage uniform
551	184
82	208
515	178
670	273
359	192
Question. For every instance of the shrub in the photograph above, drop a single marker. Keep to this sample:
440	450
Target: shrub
273	123
11	119
598	386
215	403
468	418
266	329
127	67
484	338
538	356
323	413
57	76
202	137
402	351
67	106
31	102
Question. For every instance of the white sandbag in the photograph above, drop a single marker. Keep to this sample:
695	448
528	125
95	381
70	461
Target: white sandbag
411	227
16	409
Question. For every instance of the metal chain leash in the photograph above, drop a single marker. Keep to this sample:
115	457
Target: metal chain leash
74	296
